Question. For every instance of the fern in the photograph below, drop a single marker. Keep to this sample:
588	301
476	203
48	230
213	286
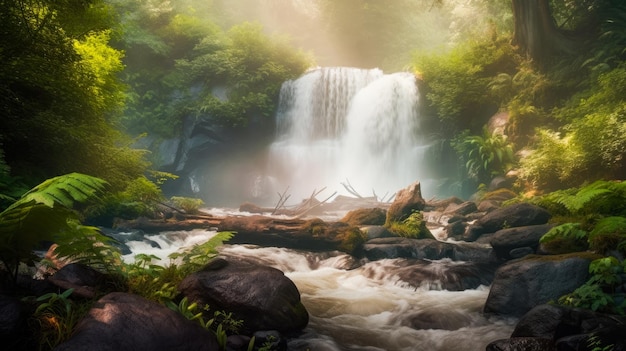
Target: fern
40	214
602	197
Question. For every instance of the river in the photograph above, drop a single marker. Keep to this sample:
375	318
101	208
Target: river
361	305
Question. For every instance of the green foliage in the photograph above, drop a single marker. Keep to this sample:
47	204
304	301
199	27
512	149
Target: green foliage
87	245
249	66
565	238
457	84
188	204
221	324
56	316
608	234
598	293
413	227
197	256
605	198
42	214
485	156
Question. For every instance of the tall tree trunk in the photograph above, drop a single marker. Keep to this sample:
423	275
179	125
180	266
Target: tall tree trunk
536	32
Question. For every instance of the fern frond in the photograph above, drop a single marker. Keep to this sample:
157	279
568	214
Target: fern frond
575	203
66	190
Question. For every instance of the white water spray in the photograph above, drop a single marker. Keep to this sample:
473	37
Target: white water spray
347	124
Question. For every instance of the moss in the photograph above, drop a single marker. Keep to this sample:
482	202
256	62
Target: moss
555	258
607	234
413	227
365	216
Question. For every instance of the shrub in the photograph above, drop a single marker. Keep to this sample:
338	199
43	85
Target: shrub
188	204
413	227
608	234
565	238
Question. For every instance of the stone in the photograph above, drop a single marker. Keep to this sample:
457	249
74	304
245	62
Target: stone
13	325
365	216
517	215
127	322
259	295
522	344
405	203
522	284
505	240
462	209
432	249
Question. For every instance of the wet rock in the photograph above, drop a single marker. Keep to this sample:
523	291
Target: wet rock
406	202
437	319
261	296
126	322
443	274
520	252
522	344
462	209
376	231
83	279
572	328
382	248
520	285
517	215
505	240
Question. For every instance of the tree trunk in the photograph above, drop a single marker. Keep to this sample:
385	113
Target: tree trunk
536	32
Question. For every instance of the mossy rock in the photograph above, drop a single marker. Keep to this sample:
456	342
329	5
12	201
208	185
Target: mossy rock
413	227
608	234
365	216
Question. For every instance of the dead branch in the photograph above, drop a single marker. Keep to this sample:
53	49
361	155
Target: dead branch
281	201
299	215
351	189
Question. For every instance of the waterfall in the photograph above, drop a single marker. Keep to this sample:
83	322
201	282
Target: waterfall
347	124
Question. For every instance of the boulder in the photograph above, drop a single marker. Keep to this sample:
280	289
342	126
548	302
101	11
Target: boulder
522	344
462	209
517	215
13	325
127	322
259	295
506	240
365	216
432	249
522	284
83	279
572	328
407	201
437	275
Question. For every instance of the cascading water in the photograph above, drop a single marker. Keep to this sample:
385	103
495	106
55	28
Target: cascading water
360	305
347	124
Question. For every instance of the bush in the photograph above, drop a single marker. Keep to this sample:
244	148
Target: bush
565	238
188	204
608	234
413	227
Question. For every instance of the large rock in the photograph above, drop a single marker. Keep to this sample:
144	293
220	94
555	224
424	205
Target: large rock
518	215
520	285
382	248
522	344
365	216
13	325
126	322
261	296
571	328
405	203
506	240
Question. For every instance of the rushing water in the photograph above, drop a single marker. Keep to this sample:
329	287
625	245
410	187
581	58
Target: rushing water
340	125
363	305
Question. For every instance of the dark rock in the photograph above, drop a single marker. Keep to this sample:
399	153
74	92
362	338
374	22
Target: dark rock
261	296
126	322
405	203
505	240
438	275
13	324
365	216
517	215
572	328
520	252
237	343
441	205
455	229
270	339
488	206
382	248
462	209
522	344
437	319
83	279
499	183
520	285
